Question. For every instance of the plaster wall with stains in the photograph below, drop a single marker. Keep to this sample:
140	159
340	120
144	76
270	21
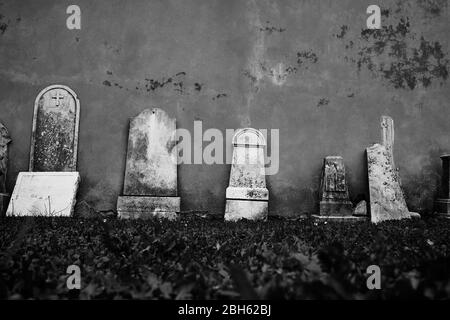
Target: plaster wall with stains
308	68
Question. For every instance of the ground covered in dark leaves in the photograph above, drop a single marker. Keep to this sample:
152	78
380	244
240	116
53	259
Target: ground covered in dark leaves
197	258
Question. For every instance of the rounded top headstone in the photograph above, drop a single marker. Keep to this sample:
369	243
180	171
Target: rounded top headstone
248	137
55	86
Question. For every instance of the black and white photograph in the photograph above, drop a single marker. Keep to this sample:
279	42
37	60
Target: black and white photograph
230	152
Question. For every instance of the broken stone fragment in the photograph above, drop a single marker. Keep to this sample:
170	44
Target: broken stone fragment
360	209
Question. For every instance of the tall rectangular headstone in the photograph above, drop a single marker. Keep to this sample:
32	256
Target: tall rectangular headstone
247	196
51	186
442	204
334	191
150	183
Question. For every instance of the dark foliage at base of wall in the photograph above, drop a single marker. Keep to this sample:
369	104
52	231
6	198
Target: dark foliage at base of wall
206	258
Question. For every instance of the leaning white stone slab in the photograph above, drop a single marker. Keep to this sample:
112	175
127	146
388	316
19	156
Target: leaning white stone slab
386	196
44	194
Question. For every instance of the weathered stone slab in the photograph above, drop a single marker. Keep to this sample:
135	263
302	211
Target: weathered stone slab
386	197
44	194
247	195
151	166
5	139
334	191
54	140
442	204
150	184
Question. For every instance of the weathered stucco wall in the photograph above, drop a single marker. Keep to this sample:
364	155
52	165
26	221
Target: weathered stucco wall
308	68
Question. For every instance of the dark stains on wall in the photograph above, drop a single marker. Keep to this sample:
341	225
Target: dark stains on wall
3	25
323	102
433	7
176	82
220	95
152	84
198	86
250	76
386	53
271	29
3	22
344	29
304	57
419	67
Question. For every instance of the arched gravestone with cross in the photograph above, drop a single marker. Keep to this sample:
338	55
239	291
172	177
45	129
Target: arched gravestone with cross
50	186
247	196
54	139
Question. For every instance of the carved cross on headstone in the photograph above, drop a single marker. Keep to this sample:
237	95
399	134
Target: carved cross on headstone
57	97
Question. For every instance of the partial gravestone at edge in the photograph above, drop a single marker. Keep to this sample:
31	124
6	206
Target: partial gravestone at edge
442	204
5	140
247	196
54	137
150	182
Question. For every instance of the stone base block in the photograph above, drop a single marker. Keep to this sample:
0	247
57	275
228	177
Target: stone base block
442	206
246	209
340	218
336	208
144	207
